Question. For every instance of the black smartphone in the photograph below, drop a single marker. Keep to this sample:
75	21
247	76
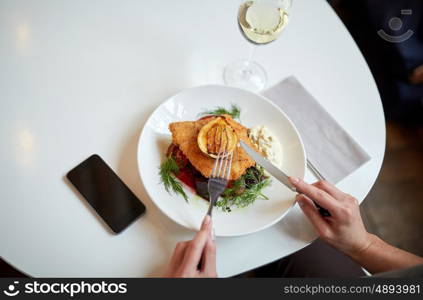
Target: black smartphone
113	201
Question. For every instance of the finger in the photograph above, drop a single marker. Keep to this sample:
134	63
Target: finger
205	229
209	258
311	212
320	196
177	256
206	223
195	249
330	189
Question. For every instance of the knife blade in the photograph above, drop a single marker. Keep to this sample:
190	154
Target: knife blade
268	166
278	174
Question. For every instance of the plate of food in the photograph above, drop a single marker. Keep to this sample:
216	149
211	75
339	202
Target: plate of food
175	158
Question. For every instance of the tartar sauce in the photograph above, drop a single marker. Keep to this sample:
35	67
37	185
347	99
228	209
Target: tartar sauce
267	143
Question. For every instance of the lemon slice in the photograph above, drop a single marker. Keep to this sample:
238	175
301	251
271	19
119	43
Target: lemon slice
216	136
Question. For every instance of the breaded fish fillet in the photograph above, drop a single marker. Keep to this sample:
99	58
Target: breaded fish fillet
184	135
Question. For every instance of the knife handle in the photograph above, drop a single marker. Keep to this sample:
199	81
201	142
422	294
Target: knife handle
322	211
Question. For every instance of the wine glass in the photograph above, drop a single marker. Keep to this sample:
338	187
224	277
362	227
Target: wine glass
260	22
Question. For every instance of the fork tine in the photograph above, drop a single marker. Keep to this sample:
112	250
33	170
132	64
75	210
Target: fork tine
213	173
226	165
222	150
214	167
228	170
221	159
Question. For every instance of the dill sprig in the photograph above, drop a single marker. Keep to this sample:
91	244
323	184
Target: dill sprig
234	112
168	169
245	190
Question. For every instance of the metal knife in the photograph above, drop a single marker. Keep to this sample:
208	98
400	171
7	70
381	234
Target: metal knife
277	173
268	166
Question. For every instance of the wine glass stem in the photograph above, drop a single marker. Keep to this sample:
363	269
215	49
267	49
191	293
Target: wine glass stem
252	51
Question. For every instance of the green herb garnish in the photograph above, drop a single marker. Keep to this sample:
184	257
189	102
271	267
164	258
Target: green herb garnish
168	169
245	190
234	112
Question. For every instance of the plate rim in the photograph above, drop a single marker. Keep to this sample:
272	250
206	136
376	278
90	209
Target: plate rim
226	87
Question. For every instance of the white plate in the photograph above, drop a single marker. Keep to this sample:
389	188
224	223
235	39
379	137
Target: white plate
255	110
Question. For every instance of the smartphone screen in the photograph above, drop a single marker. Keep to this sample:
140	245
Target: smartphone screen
113	201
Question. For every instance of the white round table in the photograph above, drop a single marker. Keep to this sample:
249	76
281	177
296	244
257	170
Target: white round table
81	77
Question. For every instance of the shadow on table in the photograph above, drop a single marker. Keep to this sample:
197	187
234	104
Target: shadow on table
297	226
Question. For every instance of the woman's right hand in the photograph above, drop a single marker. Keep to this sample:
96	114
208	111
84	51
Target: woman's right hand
344	229
195	258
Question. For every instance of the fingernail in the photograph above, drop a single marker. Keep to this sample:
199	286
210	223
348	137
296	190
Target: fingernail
212	236
294	180
206	222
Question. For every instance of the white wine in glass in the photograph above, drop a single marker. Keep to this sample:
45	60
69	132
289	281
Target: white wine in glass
261	22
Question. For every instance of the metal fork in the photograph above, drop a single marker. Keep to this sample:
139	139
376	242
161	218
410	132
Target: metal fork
314	170
219	178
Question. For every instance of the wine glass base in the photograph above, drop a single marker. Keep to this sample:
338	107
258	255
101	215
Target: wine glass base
245	74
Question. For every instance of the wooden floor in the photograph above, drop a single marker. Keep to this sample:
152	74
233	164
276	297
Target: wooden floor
394	208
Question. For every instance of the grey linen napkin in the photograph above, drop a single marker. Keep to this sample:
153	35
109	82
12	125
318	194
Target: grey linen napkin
328	146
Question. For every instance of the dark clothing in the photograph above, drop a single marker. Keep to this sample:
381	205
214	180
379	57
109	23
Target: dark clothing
321	260
316	260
